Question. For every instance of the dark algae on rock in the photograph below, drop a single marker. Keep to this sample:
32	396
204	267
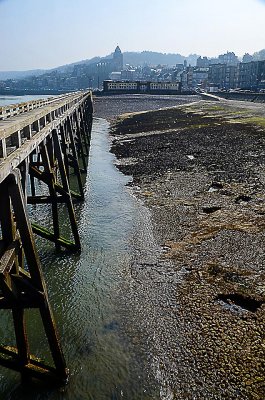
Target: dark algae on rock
200	171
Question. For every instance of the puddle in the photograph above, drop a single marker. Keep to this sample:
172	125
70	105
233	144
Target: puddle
210	209
238	302
243	198
215	186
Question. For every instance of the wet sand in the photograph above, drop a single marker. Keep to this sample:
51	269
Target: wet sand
197	293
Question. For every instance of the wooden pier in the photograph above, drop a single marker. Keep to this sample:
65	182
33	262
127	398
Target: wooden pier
42	145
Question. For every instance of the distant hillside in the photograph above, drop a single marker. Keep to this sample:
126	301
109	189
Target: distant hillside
20	74
70	67
131	58
37	72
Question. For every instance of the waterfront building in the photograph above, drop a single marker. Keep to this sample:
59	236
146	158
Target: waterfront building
115	87
251	75
223	76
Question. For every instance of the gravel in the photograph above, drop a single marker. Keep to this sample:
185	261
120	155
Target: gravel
197	290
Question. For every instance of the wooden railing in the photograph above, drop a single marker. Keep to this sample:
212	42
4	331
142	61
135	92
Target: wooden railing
14	109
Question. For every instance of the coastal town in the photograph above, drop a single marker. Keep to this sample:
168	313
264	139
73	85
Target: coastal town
227	72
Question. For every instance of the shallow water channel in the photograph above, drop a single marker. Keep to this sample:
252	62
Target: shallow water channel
84	293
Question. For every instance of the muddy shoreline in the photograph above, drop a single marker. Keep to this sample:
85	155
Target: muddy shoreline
199	287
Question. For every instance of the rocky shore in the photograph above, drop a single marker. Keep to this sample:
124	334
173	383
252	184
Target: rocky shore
199	290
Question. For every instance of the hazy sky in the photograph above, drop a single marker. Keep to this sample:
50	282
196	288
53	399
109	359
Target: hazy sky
49	33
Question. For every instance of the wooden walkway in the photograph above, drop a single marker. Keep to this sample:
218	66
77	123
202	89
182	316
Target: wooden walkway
42	145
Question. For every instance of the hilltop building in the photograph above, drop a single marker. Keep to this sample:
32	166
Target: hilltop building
117	60
109	65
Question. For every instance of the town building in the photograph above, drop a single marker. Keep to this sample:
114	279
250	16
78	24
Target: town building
128	74
247	58
202	62
200	77
229	58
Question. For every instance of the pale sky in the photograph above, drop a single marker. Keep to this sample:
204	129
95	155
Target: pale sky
48	33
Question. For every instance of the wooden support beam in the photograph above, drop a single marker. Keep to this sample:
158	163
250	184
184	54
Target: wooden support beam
74	156
59	241
52	156
65	151
66	188
85	132
34	368
80	145
20	362
48	164
42	176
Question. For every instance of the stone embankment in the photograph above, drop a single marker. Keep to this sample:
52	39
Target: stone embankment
199	304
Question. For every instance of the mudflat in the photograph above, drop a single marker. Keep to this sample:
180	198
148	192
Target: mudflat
199	169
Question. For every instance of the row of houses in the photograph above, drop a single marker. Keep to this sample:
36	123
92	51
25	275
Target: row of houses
246	76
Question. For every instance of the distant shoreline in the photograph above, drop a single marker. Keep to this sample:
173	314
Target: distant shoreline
32	92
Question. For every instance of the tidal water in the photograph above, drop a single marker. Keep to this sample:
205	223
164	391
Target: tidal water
6	100
84	291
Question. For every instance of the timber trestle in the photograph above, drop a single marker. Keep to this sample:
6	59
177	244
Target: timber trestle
43	153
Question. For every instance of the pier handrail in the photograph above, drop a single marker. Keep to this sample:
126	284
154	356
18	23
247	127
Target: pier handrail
21	133
12	110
